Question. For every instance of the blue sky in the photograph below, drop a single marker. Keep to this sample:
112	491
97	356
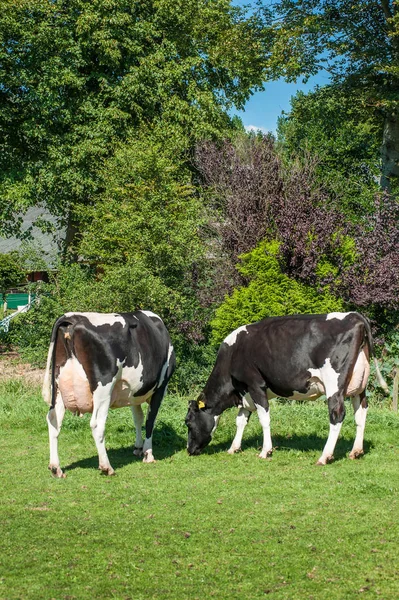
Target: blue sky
263	108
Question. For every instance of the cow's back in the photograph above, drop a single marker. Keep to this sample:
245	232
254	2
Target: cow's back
285	349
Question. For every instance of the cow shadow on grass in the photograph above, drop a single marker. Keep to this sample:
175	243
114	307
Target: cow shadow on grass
166	442
297	443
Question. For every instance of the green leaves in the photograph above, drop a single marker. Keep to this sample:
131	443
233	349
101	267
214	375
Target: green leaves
269	293
11	273
336	128
78	78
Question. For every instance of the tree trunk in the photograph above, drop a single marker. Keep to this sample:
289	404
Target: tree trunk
69	249
390	154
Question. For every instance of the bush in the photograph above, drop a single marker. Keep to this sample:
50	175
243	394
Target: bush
77	288
269	293
31	331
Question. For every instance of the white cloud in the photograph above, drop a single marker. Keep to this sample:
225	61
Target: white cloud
255	128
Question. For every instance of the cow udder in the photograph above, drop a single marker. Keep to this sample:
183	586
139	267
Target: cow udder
74	387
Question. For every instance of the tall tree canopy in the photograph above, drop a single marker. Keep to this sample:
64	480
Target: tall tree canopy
78	76
331	125
358	44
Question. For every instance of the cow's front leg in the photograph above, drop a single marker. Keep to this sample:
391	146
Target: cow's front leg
101	402
261	402
155	403
336	408
138	417
55	417
360	408
241	422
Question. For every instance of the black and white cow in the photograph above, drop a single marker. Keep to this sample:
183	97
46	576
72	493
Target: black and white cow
100	361
298	357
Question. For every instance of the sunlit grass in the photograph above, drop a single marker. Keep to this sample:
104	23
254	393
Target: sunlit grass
213	526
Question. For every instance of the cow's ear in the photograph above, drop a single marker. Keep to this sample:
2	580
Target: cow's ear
193	406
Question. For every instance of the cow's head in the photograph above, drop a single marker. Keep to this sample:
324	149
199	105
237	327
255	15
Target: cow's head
200	425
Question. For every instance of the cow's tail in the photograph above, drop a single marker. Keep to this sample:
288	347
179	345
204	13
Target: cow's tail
369	336
48	389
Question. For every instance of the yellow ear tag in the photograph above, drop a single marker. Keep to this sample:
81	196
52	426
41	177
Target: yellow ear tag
201	404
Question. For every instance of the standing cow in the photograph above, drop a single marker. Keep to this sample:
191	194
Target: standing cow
298	357
101	361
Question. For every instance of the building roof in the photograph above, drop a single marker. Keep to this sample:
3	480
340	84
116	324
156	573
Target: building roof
49	243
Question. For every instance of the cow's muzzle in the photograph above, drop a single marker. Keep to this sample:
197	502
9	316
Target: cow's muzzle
194	451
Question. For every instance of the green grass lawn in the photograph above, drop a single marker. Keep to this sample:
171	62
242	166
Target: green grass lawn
213	526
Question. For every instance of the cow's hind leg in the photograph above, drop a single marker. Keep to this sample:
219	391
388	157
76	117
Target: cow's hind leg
360	408
54	420
154	405
101	402
138	417
336	408
241	422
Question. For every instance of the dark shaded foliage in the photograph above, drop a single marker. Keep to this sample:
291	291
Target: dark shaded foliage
260	198
246	179
374	278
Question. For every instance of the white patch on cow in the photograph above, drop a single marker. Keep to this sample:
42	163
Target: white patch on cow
54	421
328	451
337	315
101	403
149	313
241	422
264	418
216	418
165	367
232	337
248	403
327	376
360	420
316	389
98	319
129	382
138	417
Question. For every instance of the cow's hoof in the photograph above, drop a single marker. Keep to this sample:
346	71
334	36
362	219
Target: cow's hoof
57	472
233	450
356	454
107	470
148	457
138	451
266	455
325	461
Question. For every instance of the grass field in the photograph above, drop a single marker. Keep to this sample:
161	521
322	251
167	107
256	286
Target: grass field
213	526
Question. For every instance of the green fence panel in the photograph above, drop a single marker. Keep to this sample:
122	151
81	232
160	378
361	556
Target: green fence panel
15	300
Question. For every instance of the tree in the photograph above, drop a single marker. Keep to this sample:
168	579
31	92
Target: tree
330	124
79	78
142	237
265	200
358	44
269	293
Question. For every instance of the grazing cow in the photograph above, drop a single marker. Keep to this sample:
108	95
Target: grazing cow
298	357
101	361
